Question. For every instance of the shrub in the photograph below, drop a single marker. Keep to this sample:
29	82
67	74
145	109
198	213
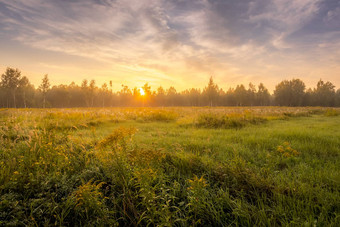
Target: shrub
331	112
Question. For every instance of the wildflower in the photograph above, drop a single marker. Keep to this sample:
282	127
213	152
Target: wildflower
197	183
286	150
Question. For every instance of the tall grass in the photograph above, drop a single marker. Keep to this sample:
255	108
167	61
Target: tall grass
138	167
212	120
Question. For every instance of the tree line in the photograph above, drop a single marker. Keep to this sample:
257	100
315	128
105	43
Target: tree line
16	91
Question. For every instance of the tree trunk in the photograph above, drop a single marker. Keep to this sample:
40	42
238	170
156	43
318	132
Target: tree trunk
25	99
14	101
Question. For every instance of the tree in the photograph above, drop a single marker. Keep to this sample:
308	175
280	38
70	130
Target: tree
211	92
298	92
104	93
92	89
324	94
111	93
160	96
3	97
290	93
241	95
262	95
44	87
251	94
125	95
10	82
147	94
24	88
76	95
229	97
17	91
194	96
337	98
86	92
58	96
171	95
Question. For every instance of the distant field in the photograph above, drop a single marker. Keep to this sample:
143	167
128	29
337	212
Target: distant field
264	166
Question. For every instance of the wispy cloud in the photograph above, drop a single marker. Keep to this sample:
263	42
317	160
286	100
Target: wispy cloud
174	39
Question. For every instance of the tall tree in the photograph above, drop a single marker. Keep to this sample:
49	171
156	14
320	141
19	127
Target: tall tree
147	94
251	94
125	95
92	89
241	95
211	92
229	97
44	87
337	97
59	96
10	82
104	93
262	95
324	93
86	92
111	93
290	93
25	89
298	91
194	96
160	96
171	95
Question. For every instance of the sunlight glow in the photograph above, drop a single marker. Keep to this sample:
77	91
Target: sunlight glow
141	91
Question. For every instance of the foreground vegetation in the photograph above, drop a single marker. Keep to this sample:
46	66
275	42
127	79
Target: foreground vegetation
170	166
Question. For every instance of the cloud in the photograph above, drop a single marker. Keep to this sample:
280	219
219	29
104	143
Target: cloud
179	38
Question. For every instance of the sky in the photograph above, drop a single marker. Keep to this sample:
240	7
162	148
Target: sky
178	43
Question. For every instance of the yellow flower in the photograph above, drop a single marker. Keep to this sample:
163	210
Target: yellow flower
287	155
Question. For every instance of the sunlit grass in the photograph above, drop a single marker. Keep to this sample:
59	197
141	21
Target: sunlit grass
170	166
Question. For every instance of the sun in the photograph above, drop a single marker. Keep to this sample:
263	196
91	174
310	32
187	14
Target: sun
141	91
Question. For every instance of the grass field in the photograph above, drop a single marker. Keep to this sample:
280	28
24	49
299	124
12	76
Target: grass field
265	166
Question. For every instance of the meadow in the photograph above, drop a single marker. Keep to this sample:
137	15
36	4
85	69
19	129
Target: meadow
264	166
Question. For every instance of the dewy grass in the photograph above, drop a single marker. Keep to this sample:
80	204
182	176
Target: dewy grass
212	120
141	167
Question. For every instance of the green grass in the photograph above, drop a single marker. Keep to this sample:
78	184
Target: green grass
170	166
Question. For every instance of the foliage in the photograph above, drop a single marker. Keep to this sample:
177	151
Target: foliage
211	91
290	93
16	91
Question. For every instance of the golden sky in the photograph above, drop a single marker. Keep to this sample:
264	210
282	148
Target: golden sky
177	43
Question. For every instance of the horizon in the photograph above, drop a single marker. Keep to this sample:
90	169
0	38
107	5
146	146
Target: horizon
172	43
154	89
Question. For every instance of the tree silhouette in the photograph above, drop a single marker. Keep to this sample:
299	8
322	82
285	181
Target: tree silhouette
44	87
262	95
17	91
290	93
324	93
211	92
10	82
241	95
24	88
171	95
92	89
